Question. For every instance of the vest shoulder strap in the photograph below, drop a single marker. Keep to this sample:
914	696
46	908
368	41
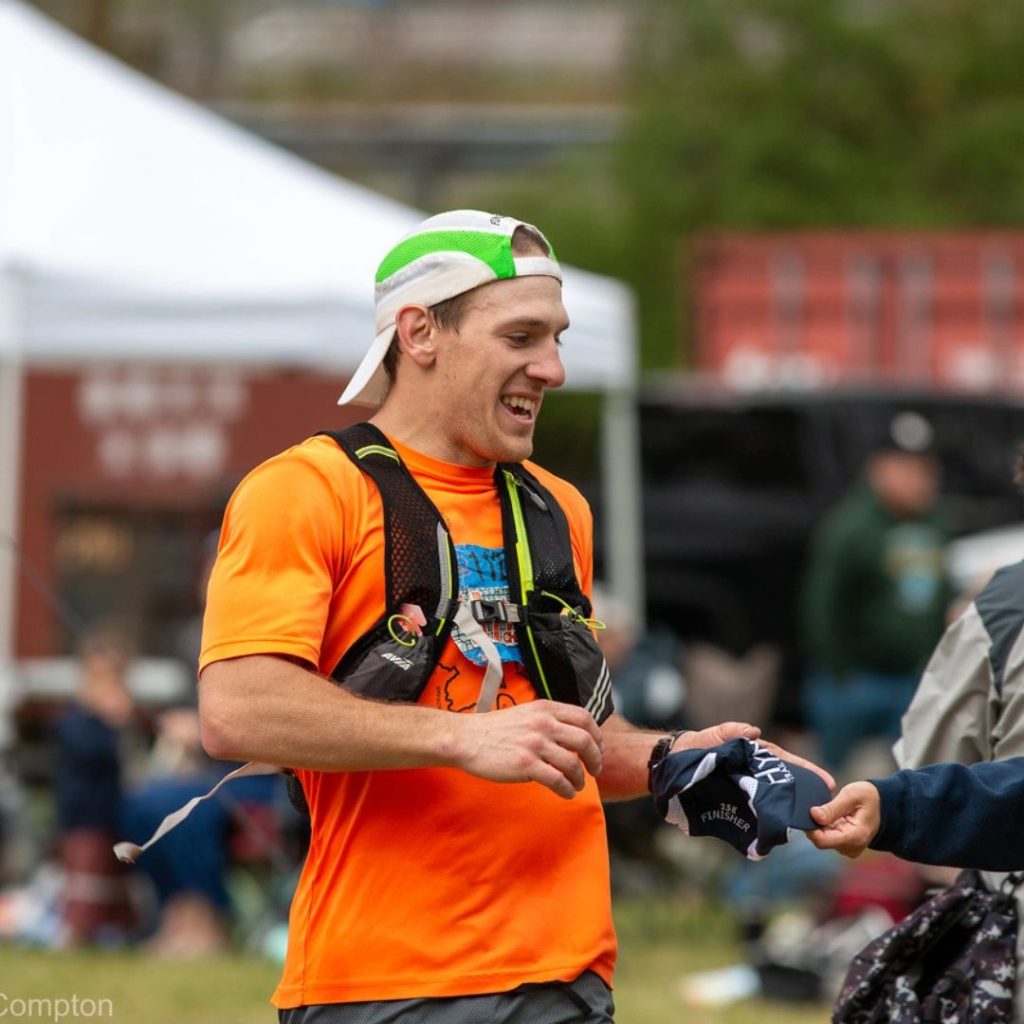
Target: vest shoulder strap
548	564
419	557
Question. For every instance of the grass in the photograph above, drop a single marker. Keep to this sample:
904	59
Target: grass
661	940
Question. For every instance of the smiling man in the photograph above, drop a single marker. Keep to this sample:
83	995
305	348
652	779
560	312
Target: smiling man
371	583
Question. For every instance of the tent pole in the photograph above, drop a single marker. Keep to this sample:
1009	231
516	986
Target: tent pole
11	427
622	484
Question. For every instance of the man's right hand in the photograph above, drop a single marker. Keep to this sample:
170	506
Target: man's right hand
542	741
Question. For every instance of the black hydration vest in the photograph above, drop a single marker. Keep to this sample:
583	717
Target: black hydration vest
546	608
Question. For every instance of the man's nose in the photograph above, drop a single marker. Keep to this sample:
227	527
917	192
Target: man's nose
547	367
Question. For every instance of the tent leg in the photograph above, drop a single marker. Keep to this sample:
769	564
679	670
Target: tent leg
622	485
11	425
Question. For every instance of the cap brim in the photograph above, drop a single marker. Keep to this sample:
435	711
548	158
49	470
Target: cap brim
369	381
810	791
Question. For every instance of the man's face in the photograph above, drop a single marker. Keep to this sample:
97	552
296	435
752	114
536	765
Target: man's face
906	484
491	374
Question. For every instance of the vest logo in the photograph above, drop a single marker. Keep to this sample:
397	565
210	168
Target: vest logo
403	663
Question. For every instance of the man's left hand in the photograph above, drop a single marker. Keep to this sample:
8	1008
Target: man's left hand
725	731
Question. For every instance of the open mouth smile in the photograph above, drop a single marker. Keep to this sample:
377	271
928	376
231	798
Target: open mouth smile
524	409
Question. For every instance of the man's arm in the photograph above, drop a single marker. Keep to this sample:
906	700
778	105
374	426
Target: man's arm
266	708
949	814
627	750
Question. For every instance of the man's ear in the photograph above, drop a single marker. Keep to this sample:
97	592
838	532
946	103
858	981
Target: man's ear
416	333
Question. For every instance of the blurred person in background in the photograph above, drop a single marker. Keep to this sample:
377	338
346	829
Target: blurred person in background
88	789
189	868
875	594
647	683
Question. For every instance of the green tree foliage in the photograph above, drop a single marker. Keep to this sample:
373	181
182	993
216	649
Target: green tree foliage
769	114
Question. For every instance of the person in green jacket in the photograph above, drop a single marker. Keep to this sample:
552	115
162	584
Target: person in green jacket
875	594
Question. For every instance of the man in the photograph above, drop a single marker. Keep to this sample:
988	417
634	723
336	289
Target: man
955	815
875	594
458	866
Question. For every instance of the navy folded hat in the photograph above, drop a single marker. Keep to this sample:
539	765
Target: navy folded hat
738	791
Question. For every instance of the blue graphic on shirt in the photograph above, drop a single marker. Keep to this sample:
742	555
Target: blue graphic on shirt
483	576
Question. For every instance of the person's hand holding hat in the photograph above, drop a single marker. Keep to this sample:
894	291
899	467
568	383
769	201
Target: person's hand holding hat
704	739
741	791
848	822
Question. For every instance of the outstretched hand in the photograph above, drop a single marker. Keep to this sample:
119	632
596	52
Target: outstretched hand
850	821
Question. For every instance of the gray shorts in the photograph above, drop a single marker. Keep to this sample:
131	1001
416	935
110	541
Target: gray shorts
587	1000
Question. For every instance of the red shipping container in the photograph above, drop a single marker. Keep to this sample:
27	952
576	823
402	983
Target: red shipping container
938	310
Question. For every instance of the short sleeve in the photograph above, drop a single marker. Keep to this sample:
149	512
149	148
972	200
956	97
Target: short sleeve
278	559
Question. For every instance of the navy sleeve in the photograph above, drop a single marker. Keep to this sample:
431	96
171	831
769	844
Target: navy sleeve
957	815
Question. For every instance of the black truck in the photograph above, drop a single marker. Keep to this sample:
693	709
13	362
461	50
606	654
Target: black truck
734	483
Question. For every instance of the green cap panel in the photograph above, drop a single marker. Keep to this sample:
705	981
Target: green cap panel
493	249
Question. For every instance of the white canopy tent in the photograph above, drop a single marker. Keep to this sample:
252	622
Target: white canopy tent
137	226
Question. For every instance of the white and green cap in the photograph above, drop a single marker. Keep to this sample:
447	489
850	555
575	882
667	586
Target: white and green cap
443	257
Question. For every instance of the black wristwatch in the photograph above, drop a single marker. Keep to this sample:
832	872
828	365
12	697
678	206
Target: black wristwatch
662	749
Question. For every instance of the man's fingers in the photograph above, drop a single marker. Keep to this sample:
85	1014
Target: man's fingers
566	762
801	761
582	744
737	730
712	736
548	775
579	717
542	741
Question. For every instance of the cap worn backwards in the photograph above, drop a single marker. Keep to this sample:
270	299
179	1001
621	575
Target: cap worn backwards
739	792
442	257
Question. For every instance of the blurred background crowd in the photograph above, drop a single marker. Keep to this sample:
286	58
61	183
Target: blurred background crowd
814	207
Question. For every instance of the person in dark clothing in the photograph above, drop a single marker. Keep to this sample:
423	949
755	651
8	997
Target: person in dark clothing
88	792
875	594
88	780
957	815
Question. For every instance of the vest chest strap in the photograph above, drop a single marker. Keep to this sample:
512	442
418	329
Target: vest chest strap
471	628
497	611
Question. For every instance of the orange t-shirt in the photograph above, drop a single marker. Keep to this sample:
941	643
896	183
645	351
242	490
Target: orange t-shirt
418	883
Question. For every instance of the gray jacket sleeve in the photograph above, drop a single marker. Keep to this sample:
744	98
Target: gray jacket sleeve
955	708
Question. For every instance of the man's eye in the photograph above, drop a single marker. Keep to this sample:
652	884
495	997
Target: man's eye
518	339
